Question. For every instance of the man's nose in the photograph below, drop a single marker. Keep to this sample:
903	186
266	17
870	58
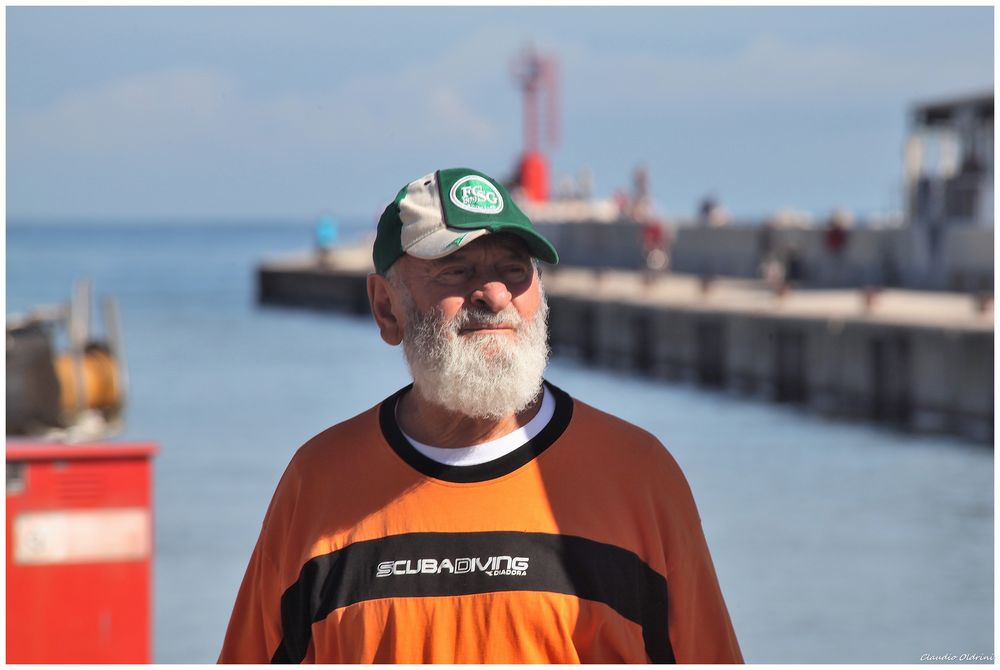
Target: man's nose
493	295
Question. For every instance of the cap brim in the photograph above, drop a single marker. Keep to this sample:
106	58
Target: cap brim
442	242
540	247
447	241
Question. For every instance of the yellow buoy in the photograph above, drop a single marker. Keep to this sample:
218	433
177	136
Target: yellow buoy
100	384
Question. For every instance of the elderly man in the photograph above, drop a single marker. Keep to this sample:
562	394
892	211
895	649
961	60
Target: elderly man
481	514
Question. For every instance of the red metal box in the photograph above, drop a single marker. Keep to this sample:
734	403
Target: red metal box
79	552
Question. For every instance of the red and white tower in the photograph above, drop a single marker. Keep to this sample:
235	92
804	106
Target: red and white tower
535	73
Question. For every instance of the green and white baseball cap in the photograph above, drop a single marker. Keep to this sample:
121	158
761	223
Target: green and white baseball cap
442	212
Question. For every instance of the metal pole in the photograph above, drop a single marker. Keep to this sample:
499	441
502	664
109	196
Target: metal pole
79	333
116	344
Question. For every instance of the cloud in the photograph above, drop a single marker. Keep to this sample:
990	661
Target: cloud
136	112
766	71
202	109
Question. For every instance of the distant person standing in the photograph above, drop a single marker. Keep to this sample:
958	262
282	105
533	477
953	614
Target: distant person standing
836	231
327	235
656	242
642	202
711	213
770	261
835	239
766	234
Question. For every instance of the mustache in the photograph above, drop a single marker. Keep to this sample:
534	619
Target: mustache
482	316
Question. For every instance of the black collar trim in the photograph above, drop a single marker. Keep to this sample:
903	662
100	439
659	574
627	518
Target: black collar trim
465	474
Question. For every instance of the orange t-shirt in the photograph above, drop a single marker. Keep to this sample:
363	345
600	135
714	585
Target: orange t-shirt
583	545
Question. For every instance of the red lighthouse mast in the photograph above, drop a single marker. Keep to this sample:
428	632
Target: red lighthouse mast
536	75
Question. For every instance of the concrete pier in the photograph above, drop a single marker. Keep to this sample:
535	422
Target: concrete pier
921	361
338	283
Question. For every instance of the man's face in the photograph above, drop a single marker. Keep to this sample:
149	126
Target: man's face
493	274
474	330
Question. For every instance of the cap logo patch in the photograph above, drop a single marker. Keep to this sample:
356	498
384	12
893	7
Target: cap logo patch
475	194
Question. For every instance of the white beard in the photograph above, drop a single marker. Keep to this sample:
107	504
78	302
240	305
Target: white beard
489	376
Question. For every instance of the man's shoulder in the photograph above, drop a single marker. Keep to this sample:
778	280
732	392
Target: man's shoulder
600	423
603	430
623	451
348	439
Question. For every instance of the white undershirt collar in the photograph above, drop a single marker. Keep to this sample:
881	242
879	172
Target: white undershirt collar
494	449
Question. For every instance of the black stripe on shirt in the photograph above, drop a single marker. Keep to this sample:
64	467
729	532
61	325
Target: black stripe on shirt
556	563
484	471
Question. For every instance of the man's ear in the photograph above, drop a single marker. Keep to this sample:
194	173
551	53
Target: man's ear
380	297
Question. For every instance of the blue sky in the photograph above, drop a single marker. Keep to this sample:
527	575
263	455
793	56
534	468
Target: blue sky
192	113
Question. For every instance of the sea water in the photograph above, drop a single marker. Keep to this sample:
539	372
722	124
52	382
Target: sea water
833	542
